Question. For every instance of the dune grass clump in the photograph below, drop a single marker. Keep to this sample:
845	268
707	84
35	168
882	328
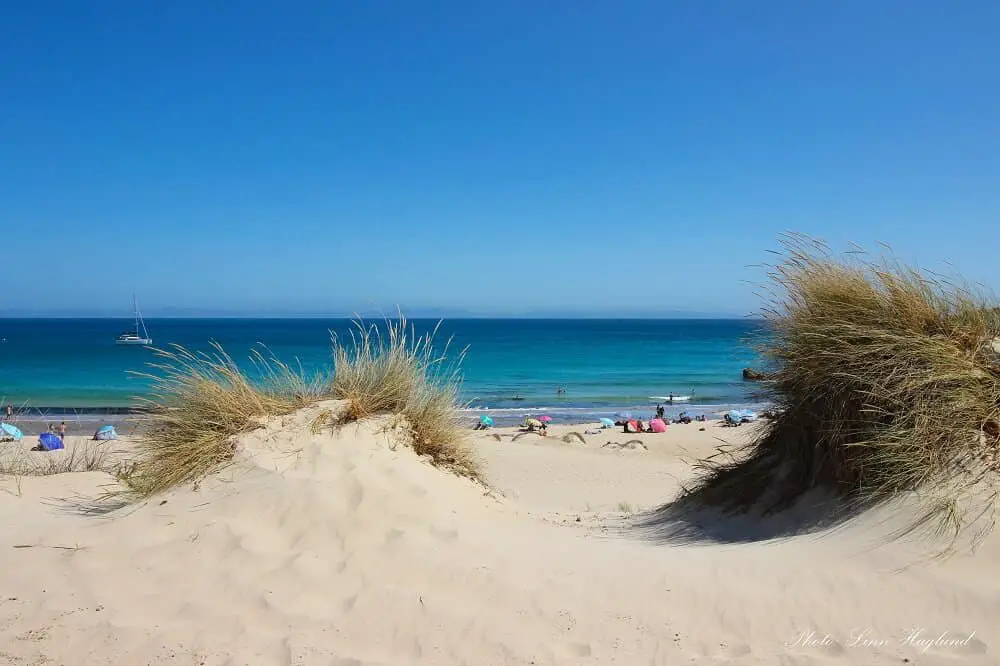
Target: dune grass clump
394	370
199	403
886	381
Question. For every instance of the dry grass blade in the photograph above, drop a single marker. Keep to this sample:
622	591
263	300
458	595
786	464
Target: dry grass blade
200	402
886	381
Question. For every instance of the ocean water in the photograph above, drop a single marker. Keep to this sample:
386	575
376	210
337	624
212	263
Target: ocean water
604	366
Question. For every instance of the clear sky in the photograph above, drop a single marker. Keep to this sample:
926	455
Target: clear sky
334	156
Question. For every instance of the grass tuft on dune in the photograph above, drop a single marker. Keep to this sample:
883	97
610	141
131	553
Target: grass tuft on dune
886	381
395	370
200	402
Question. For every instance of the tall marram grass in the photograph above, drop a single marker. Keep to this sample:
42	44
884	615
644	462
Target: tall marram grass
395	370
886	381
199	402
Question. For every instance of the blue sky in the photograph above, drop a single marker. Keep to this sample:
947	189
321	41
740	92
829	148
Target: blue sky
496	156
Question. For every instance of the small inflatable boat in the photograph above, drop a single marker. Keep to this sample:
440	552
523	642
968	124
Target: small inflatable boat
667	398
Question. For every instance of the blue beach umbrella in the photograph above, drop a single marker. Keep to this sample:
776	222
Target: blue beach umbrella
607	423
11	431
486	421
49	441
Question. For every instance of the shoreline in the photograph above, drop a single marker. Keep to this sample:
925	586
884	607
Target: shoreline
569	413
79	424
79	419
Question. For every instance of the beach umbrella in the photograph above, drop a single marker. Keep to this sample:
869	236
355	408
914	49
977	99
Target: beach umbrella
486	421
607	423
49	441
544	419
657	425
11	431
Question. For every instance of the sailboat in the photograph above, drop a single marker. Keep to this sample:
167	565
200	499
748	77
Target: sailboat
132	337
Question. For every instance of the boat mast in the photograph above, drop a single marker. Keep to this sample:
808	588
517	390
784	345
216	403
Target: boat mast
135	312
139	319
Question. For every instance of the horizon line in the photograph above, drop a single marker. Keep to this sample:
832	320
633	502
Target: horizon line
573	316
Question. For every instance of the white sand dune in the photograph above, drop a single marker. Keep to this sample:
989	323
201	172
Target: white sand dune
347	549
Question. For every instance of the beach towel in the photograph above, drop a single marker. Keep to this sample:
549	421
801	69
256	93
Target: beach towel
50	442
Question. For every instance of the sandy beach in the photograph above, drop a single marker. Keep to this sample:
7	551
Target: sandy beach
345	548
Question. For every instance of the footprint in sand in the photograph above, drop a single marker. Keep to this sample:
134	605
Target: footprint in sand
735	651
572	650
444	535
355	495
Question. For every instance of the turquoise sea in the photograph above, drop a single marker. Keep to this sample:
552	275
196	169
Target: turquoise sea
60	365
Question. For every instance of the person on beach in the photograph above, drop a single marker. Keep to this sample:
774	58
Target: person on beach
10	412
62	430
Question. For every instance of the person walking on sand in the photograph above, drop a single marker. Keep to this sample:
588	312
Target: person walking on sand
62	430
10	412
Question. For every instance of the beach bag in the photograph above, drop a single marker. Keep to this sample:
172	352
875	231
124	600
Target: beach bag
49	441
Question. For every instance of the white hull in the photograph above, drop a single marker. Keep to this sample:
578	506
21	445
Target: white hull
667	398
135	341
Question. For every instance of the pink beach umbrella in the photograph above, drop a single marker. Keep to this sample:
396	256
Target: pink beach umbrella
544	419
657	425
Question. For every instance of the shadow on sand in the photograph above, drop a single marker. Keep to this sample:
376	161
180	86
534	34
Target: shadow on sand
687	521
